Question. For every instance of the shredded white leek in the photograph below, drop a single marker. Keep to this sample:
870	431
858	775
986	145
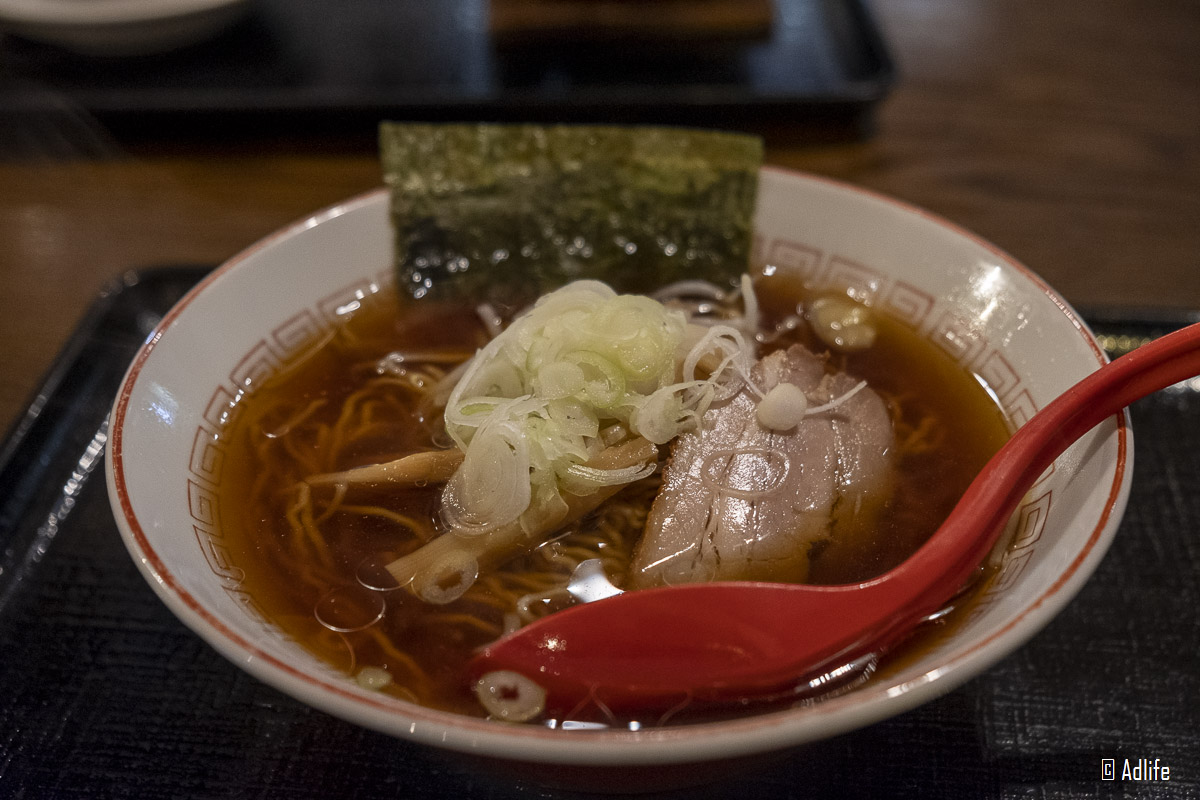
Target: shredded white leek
373	678
785	405
510	696
531	406
767	469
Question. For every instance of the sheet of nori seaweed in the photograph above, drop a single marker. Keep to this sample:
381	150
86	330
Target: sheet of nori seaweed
504	213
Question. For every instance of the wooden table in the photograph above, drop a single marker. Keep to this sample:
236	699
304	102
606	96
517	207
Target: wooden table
1068	133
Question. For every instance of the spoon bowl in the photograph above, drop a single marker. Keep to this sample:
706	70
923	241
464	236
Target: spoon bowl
650	651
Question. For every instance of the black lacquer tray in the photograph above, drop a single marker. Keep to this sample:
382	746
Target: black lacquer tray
345	65
104	694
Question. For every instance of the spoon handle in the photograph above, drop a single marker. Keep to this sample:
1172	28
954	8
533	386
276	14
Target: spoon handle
651	650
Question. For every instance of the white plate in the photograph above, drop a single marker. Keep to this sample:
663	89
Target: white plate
119	27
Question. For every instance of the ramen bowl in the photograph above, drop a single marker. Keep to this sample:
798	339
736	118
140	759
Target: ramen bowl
258	312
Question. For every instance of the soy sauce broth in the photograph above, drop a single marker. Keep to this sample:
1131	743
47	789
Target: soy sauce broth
946	424
951	424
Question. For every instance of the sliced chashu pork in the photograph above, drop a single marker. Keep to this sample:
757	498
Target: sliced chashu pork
741	502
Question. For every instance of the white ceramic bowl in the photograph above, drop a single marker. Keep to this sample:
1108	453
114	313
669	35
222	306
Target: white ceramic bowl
119	27
989	312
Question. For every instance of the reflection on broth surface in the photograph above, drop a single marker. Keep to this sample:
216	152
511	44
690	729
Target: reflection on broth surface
373	392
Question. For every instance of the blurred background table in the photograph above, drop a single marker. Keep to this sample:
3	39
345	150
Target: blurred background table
1066	132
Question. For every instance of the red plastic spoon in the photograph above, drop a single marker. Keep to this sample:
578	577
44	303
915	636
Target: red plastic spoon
646	652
